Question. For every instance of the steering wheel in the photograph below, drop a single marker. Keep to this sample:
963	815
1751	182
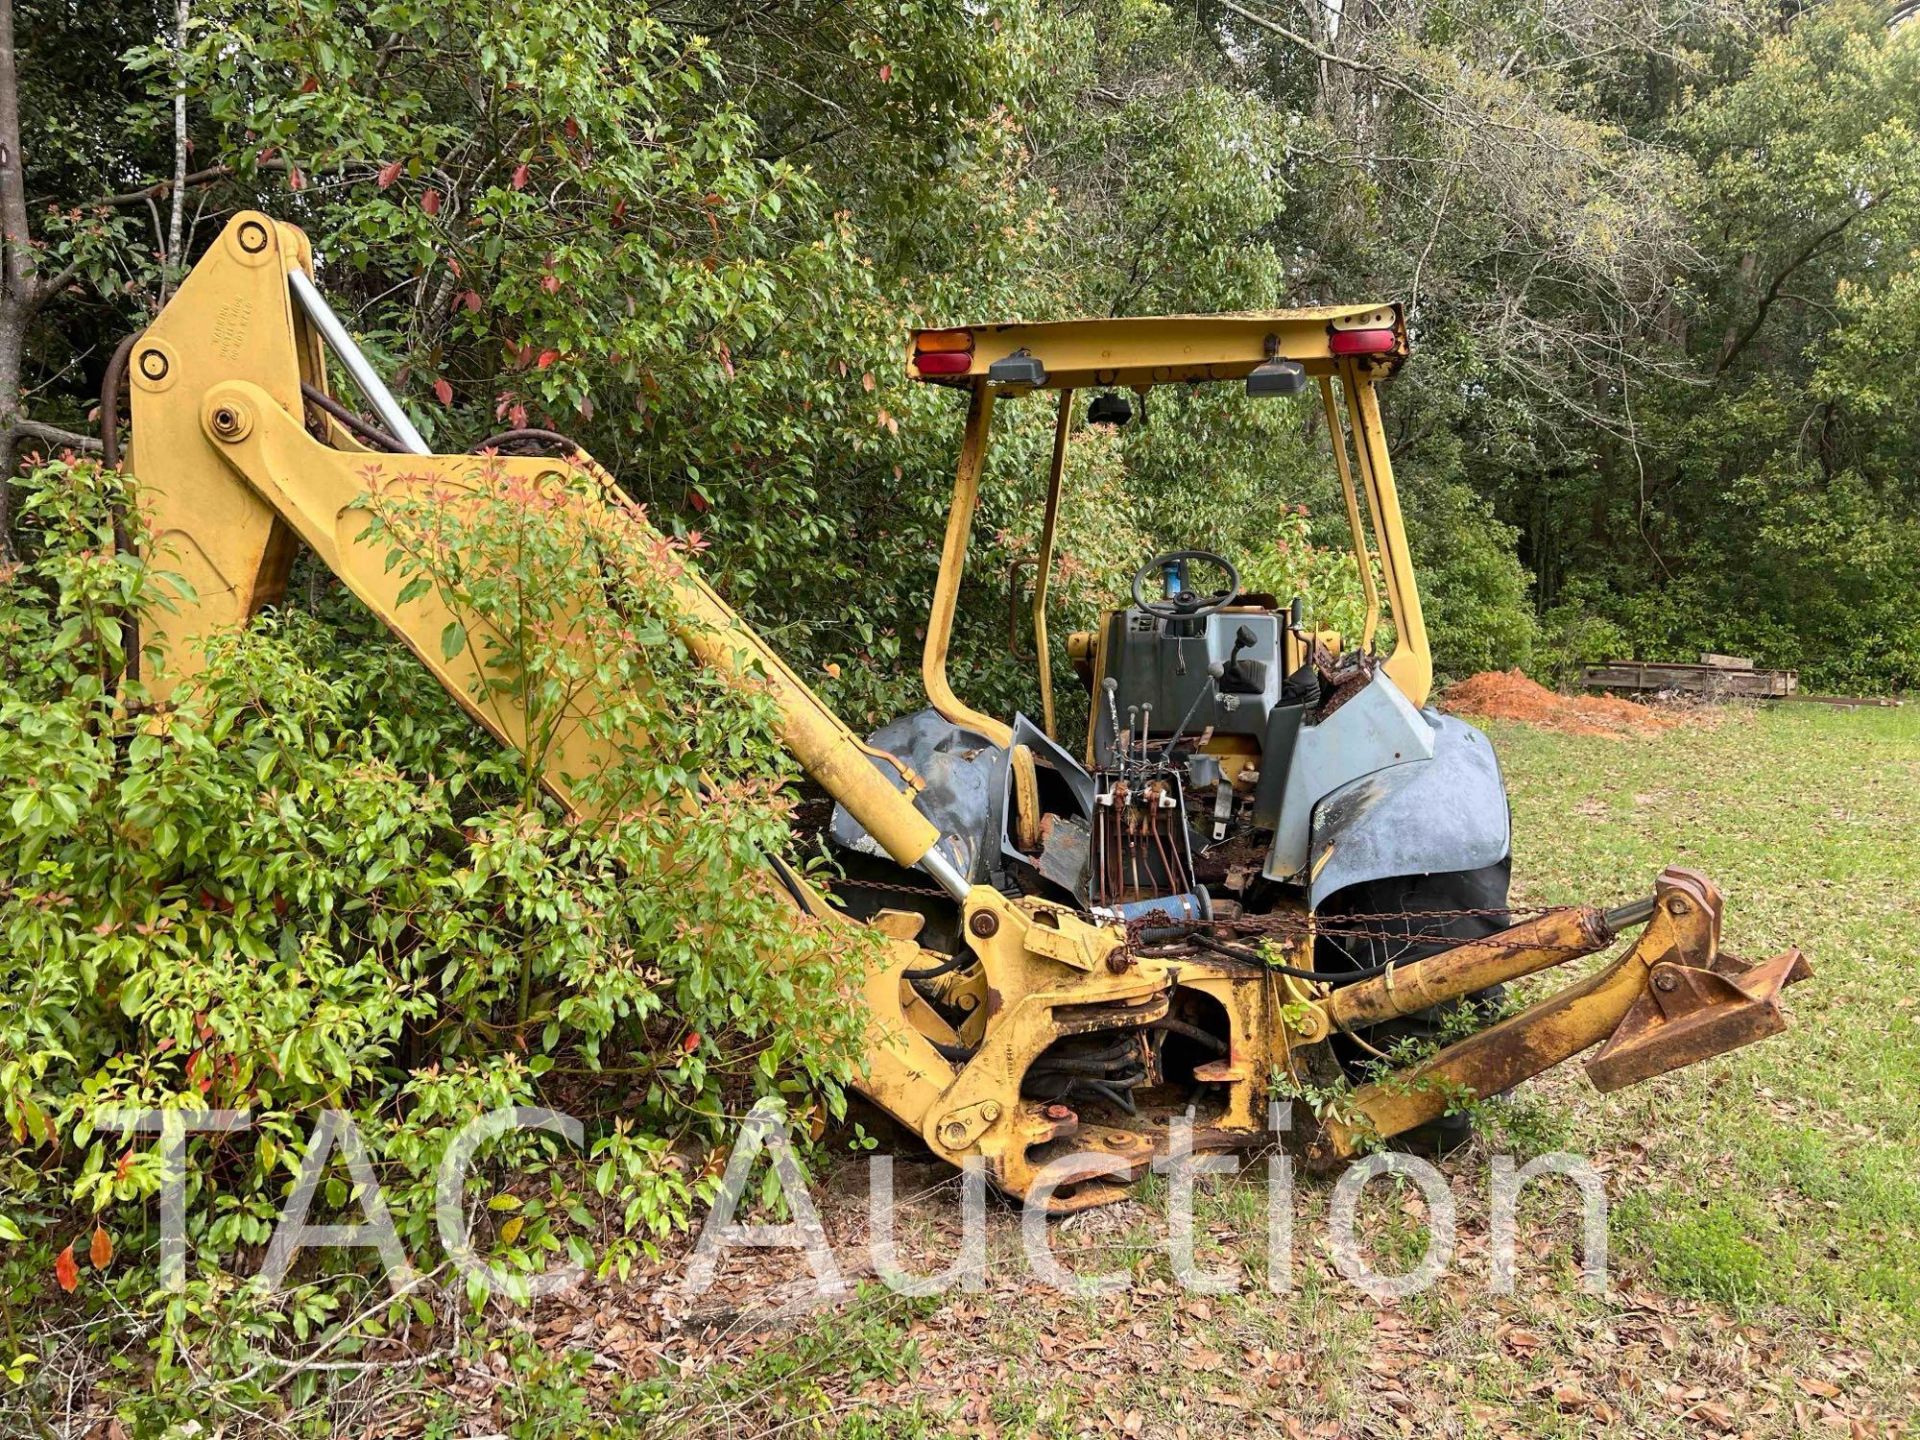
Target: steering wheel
1188	604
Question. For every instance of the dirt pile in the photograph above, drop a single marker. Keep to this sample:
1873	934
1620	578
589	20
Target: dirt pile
1511	695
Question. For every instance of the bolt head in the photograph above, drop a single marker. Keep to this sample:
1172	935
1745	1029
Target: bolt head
984	924
1677	905
1665	981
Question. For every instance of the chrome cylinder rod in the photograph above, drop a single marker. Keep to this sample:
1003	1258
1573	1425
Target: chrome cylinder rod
357	365
936	864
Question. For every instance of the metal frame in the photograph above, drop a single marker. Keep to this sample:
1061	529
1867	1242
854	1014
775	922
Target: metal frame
1190	349
953	563
1362	557
1043	565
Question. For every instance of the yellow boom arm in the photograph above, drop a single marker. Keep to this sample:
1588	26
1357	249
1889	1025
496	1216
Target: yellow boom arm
230	477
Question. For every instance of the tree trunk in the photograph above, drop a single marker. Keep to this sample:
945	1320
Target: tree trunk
24	288
18	280
12	338
170	263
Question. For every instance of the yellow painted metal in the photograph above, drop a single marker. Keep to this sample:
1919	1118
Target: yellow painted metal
232	315
1538	944
232	479
1681	941
1163	349
199	429
1043	571
1096	684
953	563
1362	558
1410	666
1049	974
1024	823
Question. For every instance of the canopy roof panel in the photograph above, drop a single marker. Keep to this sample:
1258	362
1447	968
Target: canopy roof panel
1165	349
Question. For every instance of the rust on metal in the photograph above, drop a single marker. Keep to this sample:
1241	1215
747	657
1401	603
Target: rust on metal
1523	949
1689	1014
1682	936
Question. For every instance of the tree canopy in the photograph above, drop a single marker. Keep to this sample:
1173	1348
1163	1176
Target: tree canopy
1658	258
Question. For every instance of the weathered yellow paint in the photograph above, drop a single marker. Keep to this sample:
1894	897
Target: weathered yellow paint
1337	440
1043	564
232	479
953	562
1162	349
1411	665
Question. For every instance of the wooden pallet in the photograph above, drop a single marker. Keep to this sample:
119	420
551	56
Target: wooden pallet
1718	681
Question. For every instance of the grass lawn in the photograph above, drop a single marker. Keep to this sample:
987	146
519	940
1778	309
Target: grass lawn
1788	1174
1765	1206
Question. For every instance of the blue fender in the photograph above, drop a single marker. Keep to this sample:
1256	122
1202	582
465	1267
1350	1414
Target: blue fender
1425	817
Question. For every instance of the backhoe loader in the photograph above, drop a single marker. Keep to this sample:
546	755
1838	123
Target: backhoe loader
1268	866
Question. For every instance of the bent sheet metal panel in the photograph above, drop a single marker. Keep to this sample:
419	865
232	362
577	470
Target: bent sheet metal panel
1376	729
1445	814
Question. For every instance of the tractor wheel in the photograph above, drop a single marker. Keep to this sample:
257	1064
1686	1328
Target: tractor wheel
1408	917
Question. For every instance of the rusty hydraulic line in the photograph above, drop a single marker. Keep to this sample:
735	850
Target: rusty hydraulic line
529	435
111	390
1533	945
364	430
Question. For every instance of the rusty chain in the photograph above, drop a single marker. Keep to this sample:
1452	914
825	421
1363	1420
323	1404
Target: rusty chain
1351	925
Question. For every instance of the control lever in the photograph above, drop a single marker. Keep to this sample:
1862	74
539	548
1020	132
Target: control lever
1215	670
1243	639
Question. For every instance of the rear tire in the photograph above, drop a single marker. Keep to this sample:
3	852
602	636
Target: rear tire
1403	933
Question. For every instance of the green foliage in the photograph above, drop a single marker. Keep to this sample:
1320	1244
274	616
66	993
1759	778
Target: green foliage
315	883
1470	582
1324	576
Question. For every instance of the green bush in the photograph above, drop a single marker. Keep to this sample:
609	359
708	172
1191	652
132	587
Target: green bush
1473	591
1573	635
315	883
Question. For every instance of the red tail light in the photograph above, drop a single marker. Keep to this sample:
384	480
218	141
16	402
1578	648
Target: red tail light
944	362
1361	342
943	352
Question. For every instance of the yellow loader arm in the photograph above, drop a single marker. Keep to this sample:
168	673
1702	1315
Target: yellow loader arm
241	452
